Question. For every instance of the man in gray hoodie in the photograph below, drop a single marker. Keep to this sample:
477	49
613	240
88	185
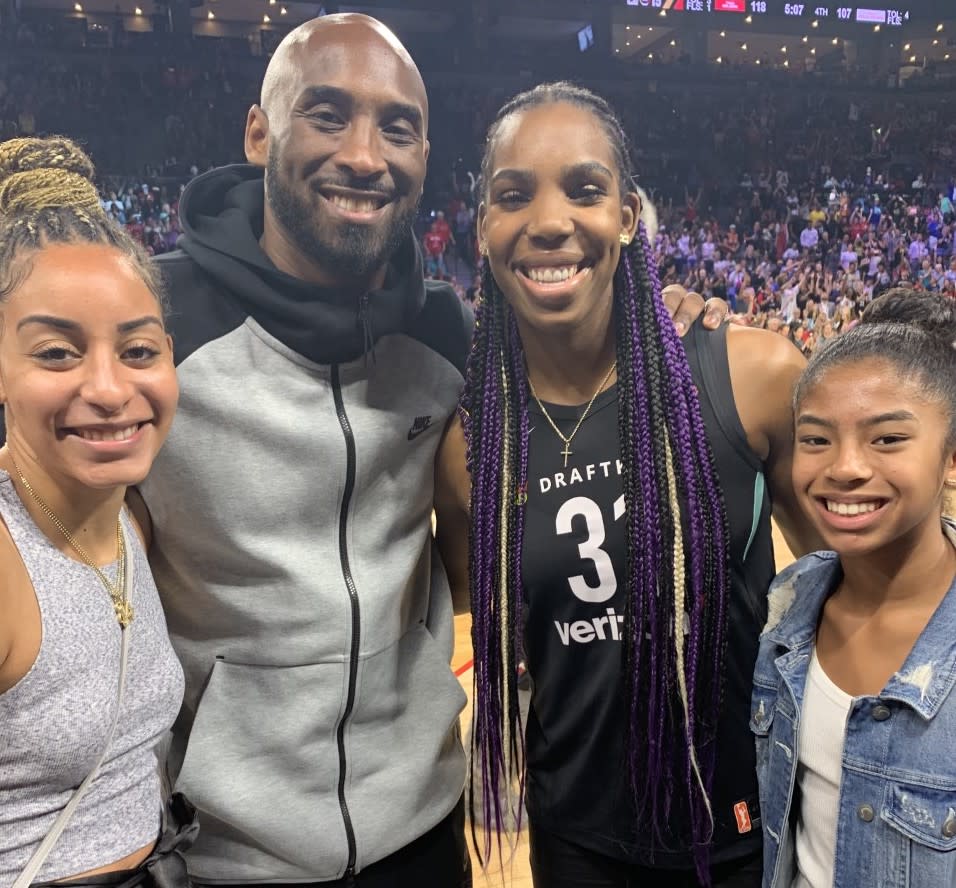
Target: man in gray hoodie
291	505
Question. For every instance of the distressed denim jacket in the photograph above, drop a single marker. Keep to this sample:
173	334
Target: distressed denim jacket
896	826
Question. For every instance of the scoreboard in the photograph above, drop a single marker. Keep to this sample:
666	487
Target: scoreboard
873	13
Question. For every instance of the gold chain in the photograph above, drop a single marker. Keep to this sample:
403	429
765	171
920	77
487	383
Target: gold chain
567	440
117	592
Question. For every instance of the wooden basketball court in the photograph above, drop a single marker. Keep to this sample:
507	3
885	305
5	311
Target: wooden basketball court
517	873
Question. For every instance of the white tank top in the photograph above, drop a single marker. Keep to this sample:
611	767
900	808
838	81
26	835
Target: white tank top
819	770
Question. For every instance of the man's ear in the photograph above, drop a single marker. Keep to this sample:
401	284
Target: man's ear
257	136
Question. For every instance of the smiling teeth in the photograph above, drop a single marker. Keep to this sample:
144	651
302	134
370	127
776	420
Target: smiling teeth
552	275
352	205
851	508
99	435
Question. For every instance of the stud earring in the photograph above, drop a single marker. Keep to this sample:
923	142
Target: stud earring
625	239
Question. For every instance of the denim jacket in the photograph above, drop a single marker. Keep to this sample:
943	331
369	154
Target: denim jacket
896	826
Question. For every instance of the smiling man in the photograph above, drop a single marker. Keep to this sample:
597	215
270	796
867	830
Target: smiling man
291	507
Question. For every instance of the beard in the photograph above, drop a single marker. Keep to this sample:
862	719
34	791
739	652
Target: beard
358	251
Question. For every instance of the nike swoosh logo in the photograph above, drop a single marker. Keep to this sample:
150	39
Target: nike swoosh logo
413	433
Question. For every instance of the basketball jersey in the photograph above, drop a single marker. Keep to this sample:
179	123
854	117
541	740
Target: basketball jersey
573	565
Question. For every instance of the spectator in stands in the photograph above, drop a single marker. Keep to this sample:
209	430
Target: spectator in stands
435	243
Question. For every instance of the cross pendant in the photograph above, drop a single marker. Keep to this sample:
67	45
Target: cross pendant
566	452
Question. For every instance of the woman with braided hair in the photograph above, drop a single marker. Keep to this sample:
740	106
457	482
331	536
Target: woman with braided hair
604	499
89	683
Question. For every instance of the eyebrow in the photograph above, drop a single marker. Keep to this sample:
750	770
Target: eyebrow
317	95
879	419
72	326
584	168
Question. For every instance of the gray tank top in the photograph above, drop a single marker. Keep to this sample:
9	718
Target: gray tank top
55	720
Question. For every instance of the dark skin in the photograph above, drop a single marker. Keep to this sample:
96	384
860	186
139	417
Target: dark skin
344	110
763	371
535	212
375	77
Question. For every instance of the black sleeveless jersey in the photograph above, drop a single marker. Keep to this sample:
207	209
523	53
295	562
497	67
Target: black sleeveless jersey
573	567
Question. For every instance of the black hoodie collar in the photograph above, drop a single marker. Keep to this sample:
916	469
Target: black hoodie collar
222	218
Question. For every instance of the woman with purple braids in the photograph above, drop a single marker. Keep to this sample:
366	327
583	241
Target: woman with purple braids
605	501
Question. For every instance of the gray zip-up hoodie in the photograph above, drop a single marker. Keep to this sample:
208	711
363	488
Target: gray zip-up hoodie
292	549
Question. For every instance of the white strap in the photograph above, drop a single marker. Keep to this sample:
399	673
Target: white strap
66	815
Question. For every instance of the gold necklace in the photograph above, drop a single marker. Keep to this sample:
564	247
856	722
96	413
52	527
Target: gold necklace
117	592
567	440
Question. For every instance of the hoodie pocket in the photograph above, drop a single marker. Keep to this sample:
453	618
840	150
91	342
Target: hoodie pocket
262	767
406	767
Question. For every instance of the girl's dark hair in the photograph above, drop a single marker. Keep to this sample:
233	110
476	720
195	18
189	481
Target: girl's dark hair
677	538
932	312
47	196
922	356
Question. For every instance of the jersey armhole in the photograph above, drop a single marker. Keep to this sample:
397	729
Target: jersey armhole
717	387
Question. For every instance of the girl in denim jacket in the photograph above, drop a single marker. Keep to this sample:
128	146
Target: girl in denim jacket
854	704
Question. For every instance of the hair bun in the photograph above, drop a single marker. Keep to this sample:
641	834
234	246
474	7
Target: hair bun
49	173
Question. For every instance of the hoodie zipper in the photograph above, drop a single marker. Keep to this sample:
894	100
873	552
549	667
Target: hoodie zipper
354	602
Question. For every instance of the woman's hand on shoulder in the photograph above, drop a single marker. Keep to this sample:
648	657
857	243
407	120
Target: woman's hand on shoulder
685	306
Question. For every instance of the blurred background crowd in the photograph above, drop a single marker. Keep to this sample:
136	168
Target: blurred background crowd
800	164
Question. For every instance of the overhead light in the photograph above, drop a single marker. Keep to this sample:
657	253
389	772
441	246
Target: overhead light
640	36
266	19
805	38
939	27
906	47
813	51
758	61
628	43
650	27
876	27
749	19
138	11
783	49
719	60
650	55
627	27
210	15
946	57
663	13
815	23
835	41
912	59
935	42
673	43
617	50
743	46
723	33
283	11
273	2
77	7
786	63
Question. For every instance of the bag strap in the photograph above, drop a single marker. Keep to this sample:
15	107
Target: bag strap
66	815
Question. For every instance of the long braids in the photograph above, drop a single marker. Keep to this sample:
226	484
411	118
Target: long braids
676	553
495	417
